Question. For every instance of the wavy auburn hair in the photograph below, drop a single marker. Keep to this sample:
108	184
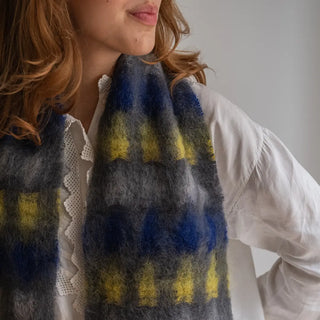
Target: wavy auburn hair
41	64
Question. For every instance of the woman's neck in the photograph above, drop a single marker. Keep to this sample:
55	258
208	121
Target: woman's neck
96	61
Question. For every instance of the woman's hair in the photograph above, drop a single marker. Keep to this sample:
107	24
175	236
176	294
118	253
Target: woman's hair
41	66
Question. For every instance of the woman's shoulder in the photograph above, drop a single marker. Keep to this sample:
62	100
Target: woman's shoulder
220	112
237	139
213	102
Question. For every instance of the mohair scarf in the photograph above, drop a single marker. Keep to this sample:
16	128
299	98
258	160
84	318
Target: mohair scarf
154	236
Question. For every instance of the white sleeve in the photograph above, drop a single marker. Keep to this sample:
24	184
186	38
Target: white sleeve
279	210
271	202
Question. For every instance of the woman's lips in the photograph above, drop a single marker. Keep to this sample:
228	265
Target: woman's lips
146	17
146	14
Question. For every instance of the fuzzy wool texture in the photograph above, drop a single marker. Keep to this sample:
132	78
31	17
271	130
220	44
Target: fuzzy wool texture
155	236
30	178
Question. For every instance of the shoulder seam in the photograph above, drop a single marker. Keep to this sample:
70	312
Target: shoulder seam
253	165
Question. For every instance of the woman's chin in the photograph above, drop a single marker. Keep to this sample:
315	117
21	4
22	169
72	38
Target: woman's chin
139	50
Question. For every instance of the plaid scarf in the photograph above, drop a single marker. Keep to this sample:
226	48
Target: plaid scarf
154	237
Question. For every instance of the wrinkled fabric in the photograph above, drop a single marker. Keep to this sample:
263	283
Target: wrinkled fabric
271	202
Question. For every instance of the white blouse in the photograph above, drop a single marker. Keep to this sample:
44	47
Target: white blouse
271	202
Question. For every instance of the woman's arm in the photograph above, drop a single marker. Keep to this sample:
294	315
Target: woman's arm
271	202
279	210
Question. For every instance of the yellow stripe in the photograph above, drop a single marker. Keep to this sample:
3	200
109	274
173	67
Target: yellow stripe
149	142
114	285
228	281
147	289
28	209
212	279
184	149
210	150
181	152
2	207
184	284
190	152
117	143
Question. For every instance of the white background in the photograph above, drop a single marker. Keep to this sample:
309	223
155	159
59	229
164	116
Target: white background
266	57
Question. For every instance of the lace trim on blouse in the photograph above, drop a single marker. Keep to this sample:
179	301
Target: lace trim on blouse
70	273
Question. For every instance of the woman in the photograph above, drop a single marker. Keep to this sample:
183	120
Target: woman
110	202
